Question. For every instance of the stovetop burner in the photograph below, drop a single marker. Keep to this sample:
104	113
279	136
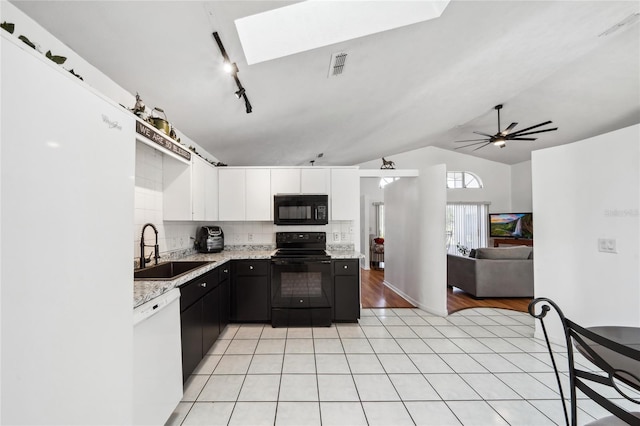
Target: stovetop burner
301	245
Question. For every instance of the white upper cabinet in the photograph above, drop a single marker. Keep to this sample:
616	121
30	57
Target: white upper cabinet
211	193
204	190
315	181
345	194
231	194
198	171
190	191
285	181
258	194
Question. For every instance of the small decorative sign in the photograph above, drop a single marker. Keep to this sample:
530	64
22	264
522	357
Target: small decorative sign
153	135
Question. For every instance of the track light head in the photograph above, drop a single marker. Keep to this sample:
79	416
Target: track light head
230	68
240	92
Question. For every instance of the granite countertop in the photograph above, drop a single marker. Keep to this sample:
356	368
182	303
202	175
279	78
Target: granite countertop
345	254
144	291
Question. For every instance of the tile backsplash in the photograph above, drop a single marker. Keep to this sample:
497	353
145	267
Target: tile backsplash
179	236
264	232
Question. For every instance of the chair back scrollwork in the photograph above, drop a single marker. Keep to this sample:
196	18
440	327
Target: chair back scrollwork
615	366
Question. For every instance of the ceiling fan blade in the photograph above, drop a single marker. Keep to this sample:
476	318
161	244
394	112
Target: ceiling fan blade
473	140
533	133
532	127
473	144
508	129
521	139
484	134
482	146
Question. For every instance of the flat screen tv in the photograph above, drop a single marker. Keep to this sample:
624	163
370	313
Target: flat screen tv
511	225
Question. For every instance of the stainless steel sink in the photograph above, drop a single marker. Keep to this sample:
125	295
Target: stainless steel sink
167	270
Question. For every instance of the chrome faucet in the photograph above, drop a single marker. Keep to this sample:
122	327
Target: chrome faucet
156	248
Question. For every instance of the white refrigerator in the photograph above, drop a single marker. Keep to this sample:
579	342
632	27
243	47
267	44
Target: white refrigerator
67	200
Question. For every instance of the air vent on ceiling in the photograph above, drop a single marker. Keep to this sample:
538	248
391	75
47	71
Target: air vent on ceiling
336	67
626	22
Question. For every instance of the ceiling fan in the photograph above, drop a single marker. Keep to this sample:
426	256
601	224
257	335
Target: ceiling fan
500	139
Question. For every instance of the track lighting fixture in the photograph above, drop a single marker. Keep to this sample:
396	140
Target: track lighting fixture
232	68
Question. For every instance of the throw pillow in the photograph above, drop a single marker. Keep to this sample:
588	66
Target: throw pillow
497	253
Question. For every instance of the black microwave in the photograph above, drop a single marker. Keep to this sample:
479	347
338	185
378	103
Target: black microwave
292	209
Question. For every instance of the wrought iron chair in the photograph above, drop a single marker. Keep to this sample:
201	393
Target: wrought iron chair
624	376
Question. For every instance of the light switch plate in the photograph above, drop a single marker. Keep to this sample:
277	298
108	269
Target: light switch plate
607	245
336	237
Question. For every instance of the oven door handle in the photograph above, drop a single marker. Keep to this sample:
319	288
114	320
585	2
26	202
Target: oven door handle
297	261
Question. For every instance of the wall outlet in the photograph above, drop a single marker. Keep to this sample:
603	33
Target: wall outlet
343	236
250	237
336	237
607	245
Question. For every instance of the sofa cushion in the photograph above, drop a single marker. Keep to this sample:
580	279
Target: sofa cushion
497	253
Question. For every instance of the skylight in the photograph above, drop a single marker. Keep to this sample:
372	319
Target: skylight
316	23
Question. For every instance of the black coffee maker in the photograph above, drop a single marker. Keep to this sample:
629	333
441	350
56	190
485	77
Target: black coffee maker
209	239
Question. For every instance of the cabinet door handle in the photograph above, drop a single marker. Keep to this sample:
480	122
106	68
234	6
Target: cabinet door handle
346	266
250	266
225	271
203	285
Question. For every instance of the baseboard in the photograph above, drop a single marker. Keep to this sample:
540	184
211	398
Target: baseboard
413	301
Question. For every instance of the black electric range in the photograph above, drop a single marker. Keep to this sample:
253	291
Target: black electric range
301	280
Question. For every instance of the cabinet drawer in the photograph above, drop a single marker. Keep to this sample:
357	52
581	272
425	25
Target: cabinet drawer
195	289
345	267
251	267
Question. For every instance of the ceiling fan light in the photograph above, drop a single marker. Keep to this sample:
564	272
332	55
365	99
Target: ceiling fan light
500	142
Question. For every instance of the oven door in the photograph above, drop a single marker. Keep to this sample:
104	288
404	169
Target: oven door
301	283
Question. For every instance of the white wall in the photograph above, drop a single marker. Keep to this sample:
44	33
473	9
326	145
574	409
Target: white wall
415	256
521	187
582	192
402	243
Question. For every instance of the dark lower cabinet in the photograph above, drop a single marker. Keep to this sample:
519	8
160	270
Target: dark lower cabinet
250	291
210	319
191	329
346	290
225	295
201	316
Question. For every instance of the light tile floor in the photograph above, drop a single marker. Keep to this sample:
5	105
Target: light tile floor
397	366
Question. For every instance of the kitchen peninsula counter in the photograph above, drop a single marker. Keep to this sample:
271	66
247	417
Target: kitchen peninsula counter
146	290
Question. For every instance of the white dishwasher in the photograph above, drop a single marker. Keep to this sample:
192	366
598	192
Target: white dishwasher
157	359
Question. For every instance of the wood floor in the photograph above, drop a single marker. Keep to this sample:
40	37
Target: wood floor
376	295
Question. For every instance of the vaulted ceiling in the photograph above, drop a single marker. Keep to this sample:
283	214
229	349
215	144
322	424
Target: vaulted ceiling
426	84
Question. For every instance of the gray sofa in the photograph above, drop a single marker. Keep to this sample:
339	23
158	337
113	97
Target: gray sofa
493	272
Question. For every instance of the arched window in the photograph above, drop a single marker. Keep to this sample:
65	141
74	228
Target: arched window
463	180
